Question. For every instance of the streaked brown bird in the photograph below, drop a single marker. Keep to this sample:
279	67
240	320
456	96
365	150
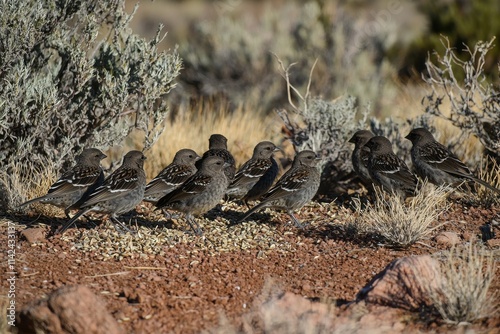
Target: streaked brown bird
257	175
388	170
172	176
75	184
434	162
294	189
119	194
200	193
217	145
360	156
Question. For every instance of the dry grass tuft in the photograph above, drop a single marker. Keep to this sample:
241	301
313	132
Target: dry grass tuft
488	171
466	276
402	223
23	184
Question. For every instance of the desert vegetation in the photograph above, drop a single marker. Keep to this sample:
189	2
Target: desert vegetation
162	76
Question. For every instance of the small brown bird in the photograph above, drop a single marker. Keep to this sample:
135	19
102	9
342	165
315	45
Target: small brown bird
434	162
360	156
200	193
119	194
217	145
75	184
256	175
172	176
294	189
388	170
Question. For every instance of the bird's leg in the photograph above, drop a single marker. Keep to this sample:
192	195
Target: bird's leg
169	215
296	222
192	223
90	221
119	226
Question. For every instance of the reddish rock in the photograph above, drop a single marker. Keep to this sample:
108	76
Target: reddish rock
70	309
448	239
278	311
291	313
493	242
467	235
405	283
33	235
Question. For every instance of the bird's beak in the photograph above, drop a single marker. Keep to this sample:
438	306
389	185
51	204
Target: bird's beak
279	149
197	158
226	164
408	136
352	140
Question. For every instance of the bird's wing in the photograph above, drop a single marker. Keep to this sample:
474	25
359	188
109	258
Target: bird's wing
116	185
193	186
170	177
251	171
75	180
395	168
292	181
440	157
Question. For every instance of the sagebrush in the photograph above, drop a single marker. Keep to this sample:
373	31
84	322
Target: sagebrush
474	101
73	76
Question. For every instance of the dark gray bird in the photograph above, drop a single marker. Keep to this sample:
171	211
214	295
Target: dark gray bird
360	156
119	194
200	193
294	189
256	175
434	162
388	170
75	184
172	176
217	145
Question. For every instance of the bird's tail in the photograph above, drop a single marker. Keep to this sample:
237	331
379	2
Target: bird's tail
30	201
487	185
256	208
70	222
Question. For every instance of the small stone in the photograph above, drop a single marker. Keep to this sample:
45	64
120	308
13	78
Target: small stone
493	243
33	235
467	235
447	239
70	309
405	283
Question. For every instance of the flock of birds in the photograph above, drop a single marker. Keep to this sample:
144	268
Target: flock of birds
193	185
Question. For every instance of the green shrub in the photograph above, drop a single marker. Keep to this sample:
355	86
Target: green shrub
463	22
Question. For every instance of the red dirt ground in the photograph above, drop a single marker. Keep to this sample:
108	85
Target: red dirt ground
187	288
